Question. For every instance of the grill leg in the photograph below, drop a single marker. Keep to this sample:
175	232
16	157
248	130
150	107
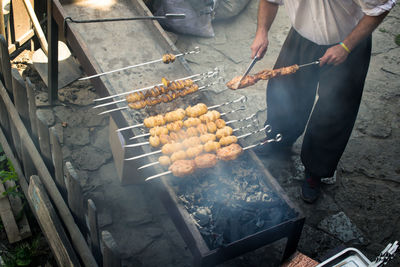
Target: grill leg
293	239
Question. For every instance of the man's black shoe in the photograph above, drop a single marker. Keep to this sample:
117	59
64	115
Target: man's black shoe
311	189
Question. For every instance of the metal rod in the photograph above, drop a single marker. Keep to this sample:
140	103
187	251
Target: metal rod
266	128
228	122
138	125
242	99
308	64
142	89
144	155
157	175
166	16
196	51
277	138
216	70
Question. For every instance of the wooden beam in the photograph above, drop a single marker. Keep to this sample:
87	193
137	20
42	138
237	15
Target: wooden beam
20	97
44	141
32	108
51	225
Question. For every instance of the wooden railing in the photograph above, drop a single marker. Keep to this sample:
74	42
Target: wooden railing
36	154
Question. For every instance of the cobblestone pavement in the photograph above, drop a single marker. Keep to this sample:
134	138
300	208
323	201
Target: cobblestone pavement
361	209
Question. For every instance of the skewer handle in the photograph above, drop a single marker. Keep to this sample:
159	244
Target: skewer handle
157	175
266	128
277	138
242	99
112	110
138	136
244	119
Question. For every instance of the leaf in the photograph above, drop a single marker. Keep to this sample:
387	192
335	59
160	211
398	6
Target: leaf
23	262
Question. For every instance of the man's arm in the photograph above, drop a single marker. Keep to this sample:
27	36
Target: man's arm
266	15
337	54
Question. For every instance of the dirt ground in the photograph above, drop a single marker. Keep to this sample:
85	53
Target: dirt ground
361	209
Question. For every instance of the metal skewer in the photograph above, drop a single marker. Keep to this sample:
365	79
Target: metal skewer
228	122
277	138
147	143
216	70
201	88
195	51
308	64
203	77
239	137
159	151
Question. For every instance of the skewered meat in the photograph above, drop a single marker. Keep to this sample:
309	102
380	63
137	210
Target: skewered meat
202	128
178	155
134	97
154	121
165	139
174	136
191	142
211	146
176	115
197	110
182	167
165	81
182	134
207	137
175	126
211	127
168	58
164	160
247	81
211	115
262	75
192	152
206	160
220	123
230	152
192	131
227	140
154	141
190	122
157	131
137	105
226	131
168	149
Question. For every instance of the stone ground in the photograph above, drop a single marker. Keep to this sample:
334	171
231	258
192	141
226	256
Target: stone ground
361	209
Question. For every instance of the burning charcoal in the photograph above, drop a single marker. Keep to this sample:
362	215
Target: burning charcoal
203	216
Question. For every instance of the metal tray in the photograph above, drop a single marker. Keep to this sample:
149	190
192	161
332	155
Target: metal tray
349	257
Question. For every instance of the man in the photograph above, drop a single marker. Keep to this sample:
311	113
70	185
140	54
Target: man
338	34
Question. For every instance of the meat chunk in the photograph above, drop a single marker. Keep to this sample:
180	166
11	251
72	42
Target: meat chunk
206	160
182	167
230	152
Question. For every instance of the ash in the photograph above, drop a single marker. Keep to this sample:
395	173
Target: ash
230	201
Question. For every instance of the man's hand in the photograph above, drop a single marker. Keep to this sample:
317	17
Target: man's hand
260	45
335	55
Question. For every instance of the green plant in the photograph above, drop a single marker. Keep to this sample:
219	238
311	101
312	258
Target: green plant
397	39
23	254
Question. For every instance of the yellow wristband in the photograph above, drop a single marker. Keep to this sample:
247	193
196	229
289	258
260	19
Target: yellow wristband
345	47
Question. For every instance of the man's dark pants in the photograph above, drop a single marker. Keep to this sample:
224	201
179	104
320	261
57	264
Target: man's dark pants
290	101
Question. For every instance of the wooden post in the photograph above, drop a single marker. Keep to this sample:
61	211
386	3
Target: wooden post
6	66
94	231
58	162
52	36
32	108
20	97
44	141
27	162
48	220
75	195
111	257
7	217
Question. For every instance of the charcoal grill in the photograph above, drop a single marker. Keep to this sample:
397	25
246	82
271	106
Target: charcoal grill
206	251
274	216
